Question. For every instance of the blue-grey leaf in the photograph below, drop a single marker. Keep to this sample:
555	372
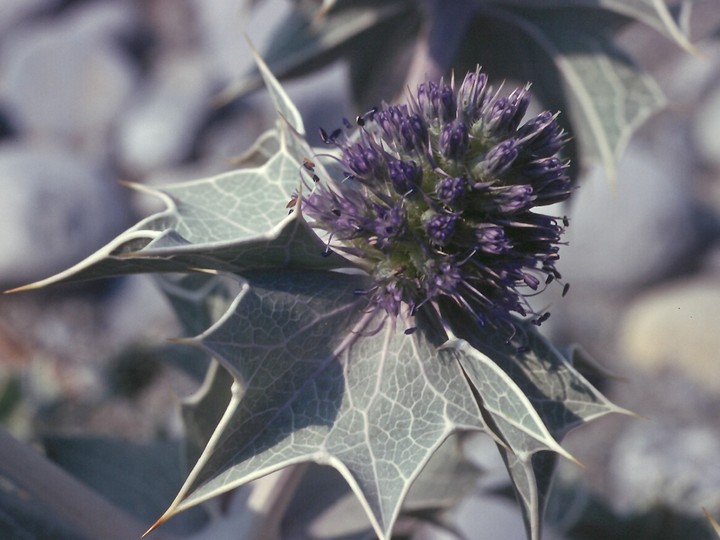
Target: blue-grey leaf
541	398
307	40
608	94
324	380
229	222
655	13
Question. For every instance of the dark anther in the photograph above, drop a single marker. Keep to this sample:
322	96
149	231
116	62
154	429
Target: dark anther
566	221
315	178
542	318
360	119
329	139
566	288
549	279
309	165
336	212
411	330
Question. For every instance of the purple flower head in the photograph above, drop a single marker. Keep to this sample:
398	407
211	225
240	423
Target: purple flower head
503	116
454	140
389	224
436	101
513	199
451	191
405	176
439	227
442	277
363	160
442	203
490	238
500	157
402	130
471	96
541	137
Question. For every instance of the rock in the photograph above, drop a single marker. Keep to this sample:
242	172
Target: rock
160	127
705	133
675	327
223	25
56	209
14	12
633	232
657	463
67	79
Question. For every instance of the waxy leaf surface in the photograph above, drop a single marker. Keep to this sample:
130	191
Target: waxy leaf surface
544	399
321	381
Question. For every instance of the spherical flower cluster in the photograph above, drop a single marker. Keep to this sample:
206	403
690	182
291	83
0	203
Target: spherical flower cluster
439	196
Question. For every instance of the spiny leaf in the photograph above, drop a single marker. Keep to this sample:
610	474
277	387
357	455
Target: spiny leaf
320	381
230	222
202	411
198	300
325	507
541	387
602	99
608	95
446	478
654	13
265	147
515	419
532	479
715	525
290	243
559	393
306	41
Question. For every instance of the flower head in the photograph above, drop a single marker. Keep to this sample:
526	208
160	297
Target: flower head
439	200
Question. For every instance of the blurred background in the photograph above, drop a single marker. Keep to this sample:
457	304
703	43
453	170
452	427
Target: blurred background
93	92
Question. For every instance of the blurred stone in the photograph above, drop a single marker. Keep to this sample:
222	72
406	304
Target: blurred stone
173	22
160	127
67	79
14	12
656	464
55	209
224	25
707	120
685	78
634	231
675	326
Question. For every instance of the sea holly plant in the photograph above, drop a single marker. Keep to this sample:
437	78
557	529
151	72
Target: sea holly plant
367	300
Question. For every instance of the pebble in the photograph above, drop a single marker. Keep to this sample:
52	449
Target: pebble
664	464
55	209
159	128
68	80
634	231
674	327
705	133
14	12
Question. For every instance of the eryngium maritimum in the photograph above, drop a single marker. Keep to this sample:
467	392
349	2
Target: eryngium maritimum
439	199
